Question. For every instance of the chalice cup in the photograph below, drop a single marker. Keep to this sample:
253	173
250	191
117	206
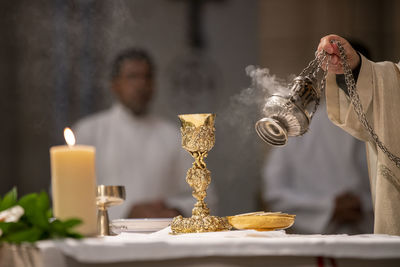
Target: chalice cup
107	196
198	138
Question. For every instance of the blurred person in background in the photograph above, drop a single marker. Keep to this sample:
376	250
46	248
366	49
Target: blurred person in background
322	178
136	149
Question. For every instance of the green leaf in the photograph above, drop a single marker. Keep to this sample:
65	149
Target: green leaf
7	227
9	200
36	207
49	213
70	223
57	228
27	201
63	228
42	205
43	202
34	225
74	235
27	235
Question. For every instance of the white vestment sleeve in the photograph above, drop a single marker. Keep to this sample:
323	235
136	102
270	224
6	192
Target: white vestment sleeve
378	86
339	106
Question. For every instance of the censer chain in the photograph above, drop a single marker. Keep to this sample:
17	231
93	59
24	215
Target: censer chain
313	69
355	100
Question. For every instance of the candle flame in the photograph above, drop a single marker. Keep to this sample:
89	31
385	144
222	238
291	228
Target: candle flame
69	136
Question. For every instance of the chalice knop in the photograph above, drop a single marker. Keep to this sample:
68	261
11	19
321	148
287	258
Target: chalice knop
198	137
107	196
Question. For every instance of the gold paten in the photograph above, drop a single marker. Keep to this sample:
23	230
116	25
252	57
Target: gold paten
198	137
262	221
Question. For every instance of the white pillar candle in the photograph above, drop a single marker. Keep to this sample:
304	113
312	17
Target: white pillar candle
74	183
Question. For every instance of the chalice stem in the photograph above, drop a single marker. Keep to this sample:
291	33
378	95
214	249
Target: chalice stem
103	222
199	159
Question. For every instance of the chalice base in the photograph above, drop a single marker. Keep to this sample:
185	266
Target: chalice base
199	224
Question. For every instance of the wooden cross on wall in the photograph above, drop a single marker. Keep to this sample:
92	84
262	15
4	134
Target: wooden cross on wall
195	21
193	73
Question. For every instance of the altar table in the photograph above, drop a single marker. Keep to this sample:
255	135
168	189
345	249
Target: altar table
234	248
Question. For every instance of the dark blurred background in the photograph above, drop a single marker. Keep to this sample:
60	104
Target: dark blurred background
55	65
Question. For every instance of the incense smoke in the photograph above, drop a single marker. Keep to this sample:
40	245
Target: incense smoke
266	83
245	108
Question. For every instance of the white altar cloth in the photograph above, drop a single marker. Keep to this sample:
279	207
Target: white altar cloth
163	245
159	246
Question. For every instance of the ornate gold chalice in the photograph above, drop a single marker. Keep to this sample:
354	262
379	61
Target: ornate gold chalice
107	196
198	137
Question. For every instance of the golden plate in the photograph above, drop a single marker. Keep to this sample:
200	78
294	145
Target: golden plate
262	221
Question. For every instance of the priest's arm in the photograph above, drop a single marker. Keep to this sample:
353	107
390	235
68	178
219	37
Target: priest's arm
378	86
